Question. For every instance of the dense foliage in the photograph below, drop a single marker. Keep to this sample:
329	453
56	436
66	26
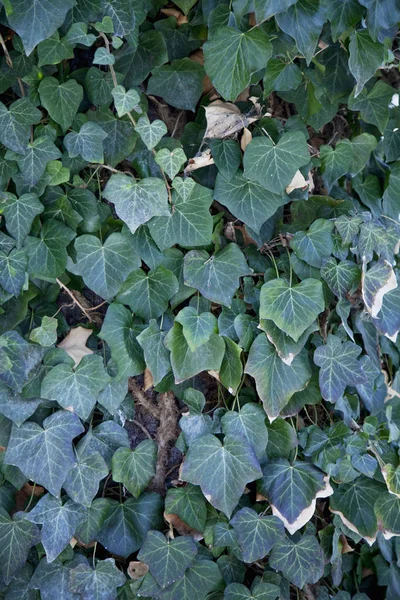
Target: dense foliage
199	385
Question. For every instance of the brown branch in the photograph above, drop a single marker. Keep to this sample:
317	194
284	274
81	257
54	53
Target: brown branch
6	52
76	301
167	433
140	397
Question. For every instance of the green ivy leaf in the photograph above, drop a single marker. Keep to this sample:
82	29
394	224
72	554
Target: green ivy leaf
188	504
15	122
82	481
231	57
156	354
190	223
12	270
315	244
231	370
197	328
366	56
256	534
120	334
33	163
36	20
77	34
98	583
222	471
247	200
88	143
339	367
147	294
341	277
292	490
216	276
301	562
151	133
274	165
47	255
44	454
180	83
348	500
61	100
374	104
20	213
276	381
303	21
103	57
381	16
136	203
105	439
227	157
46	334
285	347
19	358
104	267
53	578
76	390
53	50
59	522
377	281
125	101
171	161
343	15
185	363
126	525
260	591
135	468
17	537
167	559
15	407
292	308
335	162
198	580
387	512
249	423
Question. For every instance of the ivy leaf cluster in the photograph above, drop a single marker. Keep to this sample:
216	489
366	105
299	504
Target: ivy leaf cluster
199	299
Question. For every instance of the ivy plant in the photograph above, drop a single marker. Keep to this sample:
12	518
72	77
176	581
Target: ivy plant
199	299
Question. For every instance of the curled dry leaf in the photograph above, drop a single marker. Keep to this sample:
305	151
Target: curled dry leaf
204	159
74	344
148	380
225	119
181	527
137	569
198	57
173	12
246	138
299	182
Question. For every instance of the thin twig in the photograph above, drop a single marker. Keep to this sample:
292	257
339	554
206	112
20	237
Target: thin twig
141	397
71	295
6	52
111	68
142	427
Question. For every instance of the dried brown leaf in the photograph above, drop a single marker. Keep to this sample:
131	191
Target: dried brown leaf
74	344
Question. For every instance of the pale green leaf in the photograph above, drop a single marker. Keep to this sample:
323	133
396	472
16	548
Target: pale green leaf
59	521
292	308
88	143
232	56
136	203
301	562
125	101
222	471
247	200
135	468
98	583
339	367
17	536
171	161
46	334
82	481
151	133
217	276
155	352
292	490
61	100
185	363
45	454
276	382
197	328
167	559
274	165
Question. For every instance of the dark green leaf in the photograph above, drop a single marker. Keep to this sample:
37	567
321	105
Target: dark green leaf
135	468
17	536
301	562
